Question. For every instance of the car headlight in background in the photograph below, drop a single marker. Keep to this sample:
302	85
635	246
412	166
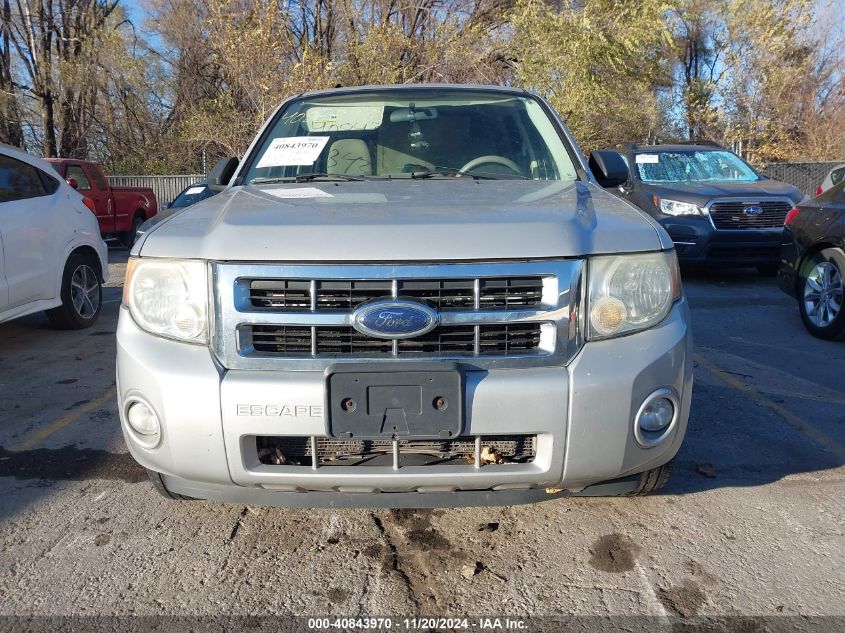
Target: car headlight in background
630	293
674	207
168	297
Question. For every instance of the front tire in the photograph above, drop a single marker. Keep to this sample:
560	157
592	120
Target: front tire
128	238
652	480
820	294
630	486
81	294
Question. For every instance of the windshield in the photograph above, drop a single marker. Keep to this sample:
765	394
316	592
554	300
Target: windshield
410	134
191	195
693	166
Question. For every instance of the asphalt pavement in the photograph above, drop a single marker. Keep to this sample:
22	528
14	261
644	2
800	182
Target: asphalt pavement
750	524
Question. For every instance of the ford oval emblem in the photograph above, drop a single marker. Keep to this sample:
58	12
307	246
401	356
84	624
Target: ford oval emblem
394	318
753	209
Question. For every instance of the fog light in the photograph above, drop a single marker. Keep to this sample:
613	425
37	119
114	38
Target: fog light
143	420
656	417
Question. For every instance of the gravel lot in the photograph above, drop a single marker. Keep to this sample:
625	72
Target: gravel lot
751	523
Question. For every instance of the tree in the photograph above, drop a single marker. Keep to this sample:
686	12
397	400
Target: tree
81	28
32	36
781	82
700	42
59	46
11	131
601	62
198	77
307	45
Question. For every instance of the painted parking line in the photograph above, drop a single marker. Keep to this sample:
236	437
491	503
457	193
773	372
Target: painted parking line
817	436
44	432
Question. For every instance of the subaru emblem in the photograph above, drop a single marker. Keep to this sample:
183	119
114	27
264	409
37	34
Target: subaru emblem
394	318
753	209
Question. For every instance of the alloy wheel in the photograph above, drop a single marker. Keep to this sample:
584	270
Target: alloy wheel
85	291
823	294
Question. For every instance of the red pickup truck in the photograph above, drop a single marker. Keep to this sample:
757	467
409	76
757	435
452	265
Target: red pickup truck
120	210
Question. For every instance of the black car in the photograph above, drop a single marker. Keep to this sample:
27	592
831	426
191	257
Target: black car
813	262
716	208
188	196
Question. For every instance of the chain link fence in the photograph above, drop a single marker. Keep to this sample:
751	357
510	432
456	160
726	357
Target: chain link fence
805	176
166	188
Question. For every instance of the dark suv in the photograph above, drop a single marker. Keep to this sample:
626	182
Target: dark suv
716	208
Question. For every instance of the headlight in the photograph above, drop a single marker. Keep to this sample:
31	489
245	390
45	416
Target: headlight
673	207
630	293
168	297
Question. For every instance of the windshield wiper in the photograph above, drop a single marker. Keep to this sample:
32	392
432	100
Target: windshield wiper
475	175
306	178
419	174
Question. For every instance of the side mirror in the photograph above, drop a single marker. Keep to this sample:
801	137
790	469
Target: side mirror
72	182
609	168
221	173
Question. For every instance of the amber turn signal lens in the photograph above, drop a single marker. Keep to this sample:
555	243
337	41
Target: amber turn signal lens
127	278
607	315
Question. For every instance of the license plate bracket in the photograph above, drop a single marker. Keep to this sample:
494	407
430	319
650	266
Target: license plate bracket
374	401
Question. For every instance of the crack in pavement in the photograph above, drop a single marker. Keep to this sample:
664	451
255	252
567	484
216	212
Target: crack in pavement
395	564
236	528
365	591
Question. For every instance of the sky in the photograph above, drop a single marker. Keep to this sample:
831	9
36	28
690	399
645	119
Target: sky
135	10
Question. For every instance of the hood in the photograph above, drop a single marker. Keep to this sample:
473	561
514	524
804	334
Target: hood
702	192
405	220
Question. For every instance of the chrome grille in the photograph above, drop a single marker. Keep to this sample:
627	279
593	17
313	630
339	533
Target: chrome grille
282	340
346	295
280	294
300	450
510	293
730	214
275	316
441	294
445	340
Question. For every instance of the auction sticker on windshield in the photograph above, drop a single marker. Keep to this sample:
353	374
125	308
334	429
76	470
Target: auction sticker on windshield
345	118
647	158
293	150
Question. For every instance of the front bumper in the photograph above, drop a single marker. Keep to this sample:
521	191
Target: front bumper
582	416
698	242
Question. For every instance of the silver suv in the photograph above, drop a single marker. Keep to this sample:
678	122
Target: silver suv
407	296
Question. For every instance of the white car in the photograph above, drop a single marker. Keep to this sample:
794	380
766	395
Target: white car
51	254
834	177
